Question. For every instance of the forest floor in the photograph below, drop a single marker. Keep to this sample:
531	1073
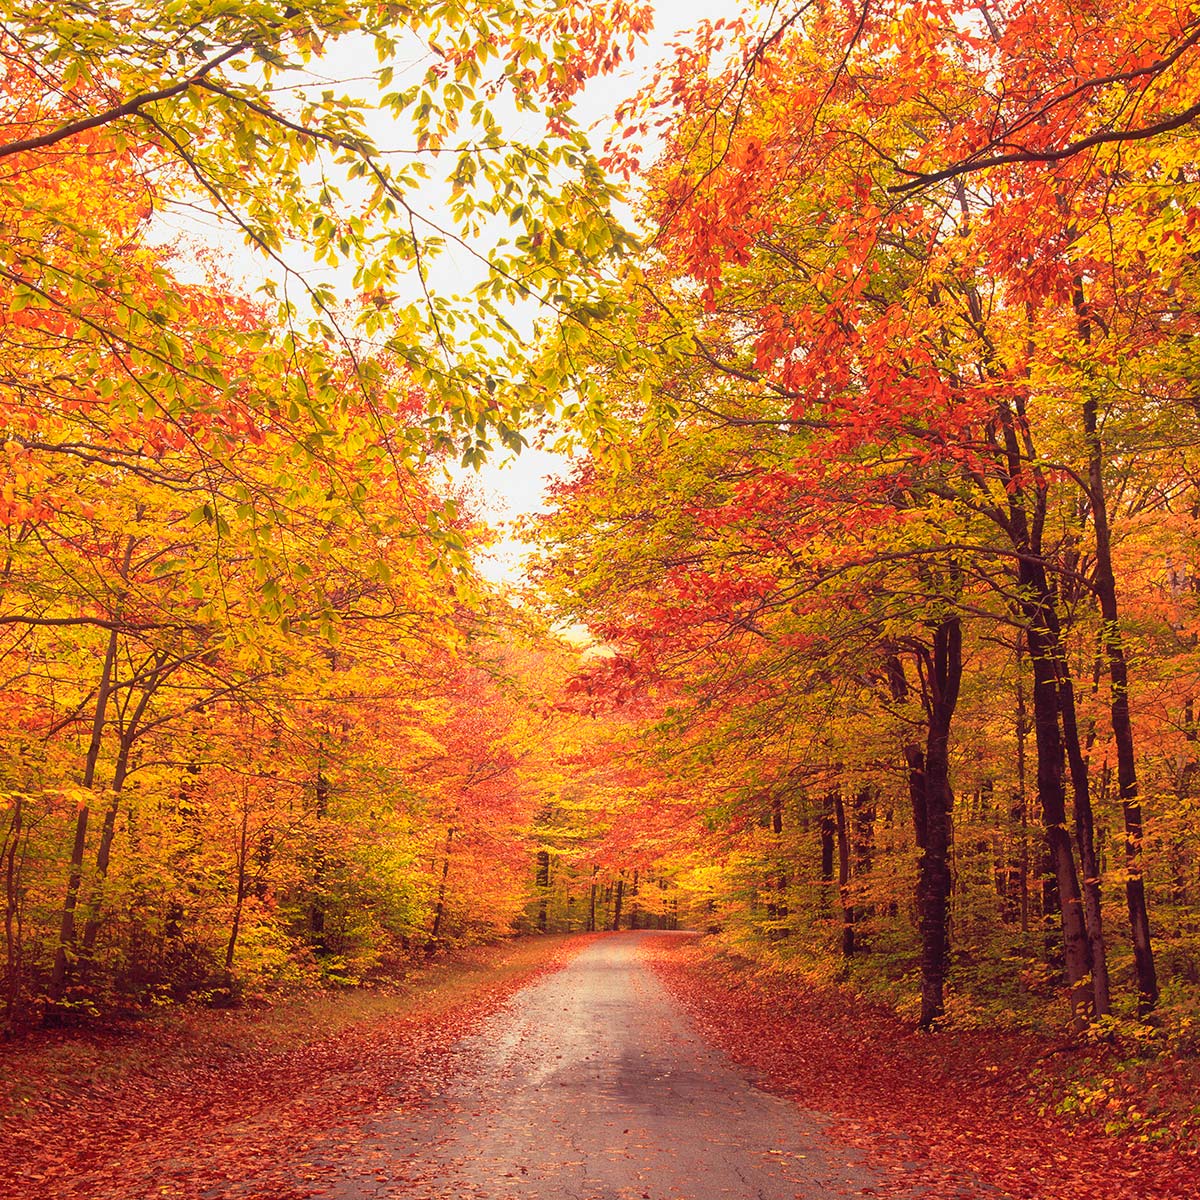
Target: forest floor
190	1101
592	1084
929	1110
568	1067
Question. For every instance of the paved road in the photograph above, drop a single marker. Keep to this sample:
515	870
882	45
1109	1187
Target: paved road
591	1085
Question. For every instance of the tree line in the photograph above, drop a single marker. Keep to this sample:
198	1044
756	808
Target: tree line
264	723
896	506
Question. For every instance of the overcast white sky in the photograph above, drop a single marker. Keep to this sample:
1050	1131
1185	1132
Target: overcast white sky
513	486
509	487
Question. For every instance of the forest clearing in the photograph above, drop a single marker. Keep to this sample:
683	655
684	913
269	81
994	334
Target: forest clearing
811	738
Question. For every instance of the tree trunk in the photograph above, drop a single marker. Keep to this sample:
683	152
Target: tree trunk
1085	839
620	894
866	806
440	907
1043	642
13	856
240	897
934	872
828	831
65	952
866	803
1122	725
120	773
843	853
1020	799
92	926
932	800
320	865
1023	522
543	886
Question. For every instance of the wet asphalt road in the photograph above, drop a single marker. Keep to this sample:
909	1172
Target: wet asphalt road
591	1084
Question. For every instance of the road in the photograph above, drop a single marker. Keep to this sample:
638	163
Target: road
591	1084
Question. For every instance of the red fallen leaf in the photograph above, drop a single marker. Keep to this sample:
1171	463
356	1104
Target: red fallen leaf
912	1099
236	1121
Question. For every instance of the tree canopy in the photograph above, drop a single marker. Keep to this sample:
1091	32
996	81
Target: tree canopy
871	331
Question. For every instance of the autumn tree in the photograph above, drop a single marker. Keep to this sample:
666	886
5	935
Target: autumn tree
898	373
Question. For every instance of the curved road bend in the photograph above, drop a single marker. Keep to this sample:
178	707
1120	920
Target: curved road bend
591	1084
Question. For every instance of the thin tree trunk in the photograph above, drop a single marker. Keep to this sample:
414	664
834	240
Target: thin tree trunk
843	852
435	932
108	829
1021	798
15	840
1023	524
240	897
320	865
65	951
866	807
828	828
543	886
1180	857
104	851
1085	839
1122	725
866	803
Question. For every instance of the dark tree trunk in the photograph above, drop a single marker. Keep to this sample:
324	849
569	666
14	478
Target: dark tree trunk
1122	725
776	882
1043	642
932	801
865	812
934	874
1020	809
13	856
129	733
320	863
843	852
1023	522
543	886
1085	839
828	829
440	907
240	896
866	803
263	854
104	853
1180	856
619	896
65	952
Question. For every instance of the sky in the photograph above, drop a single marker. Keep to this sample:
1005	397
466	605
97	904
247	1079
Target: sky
508	487
511	487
